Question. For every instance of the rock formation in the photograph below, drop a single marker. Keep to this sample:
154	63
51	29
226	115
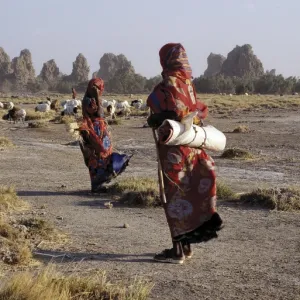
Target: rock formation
214	64
81	70
5	64
241	62
111	63
50	72
23	70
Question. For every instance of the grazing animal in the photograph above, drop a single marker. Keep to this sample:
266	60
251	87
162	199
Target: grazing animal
15	115
111	110
8	105
54	105
72	102
122	106
70	110
43	107
1	105
137	103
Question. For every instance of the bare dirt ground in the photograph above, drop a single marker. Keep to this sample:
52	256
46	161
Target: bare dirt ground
257	254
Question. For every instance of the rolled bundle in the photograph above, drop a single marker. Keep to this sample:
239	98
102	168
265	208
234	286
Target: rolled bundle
174	133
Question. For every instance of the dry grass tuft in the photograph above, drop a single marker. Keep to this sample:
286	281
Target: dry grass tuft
114	122
135	191
67	120
139	113
224	192
233	153
5	143
48	284
9	200
33	115
14	249
39	228
241	129
286	199
38	124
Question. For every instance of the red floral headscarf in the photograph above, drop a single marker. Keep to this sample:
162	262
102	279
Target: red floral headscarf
174	61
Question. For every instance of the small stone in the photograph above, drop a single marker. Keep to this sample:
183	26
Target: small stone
59	218
108	205
63	186
126	225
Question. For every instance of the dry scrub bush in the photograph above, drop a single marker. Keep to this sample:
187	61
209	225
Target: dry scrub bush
48	284
285	199
14	249
224	192
241	129
36	115
5	143
67	119
9	200
138	191
114	122
233	153
38	124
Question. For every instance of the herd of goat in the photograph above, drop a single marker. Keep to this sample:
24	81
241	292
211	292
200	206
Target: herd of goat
112	108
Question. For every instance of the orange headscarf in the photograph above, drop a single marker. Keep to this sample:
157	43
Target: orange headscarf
174	61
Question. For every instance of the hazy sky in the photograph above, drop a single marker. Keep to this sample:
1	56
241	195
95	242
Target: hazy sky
60	29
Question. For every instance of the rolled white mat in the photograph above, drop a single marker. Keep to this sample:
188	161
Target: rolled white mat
195	136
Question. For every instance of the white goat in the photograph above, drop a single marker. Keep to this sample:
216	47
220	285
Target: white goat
70	110
121	106
1	105
8	105
137	103
44	107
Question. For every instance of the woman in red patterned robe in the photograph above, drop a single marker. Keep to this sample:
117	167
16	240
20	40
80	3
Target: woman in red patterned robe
96	145
189	173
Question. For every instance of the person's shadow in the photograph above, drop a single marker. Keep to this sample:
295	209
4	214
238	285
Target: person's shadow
66	257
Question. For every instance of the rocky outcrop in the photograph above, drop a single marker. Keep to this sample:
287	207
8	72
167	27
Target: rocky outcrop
49	72
241	62
23	70
81	70
111	63
214	64
5	64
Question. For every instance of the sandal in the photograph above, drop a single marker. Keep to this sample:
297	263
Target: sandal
167	256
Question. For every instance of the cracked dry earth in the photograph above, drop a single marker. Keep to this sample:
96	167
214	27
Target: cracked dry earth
257	254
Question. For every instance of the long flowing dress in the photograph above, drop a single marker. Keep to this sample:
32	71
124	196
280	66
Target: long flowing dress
96	147
188	173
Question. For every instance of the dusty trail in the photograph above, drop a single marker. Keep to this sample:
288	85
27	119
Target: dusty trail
257	255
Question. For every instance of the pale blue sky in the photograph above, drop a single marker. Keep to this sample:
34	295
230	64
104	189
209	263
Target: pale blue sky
60	29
